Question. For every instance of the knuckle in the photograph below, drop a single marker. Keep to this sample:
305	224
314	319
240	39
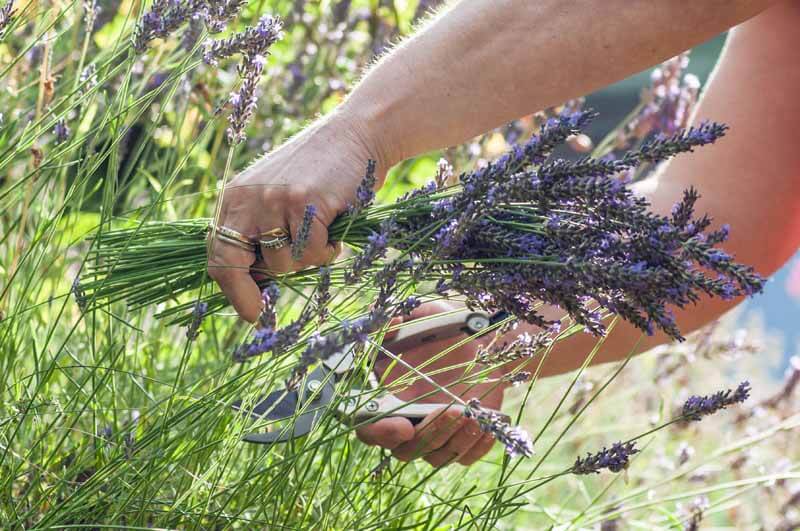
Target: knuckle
297	195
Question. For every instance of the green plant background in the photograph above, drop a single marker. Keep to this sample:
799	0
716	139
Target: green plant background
113	419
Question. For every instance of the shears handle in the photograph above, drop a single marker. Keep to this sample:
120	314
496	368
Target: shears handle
439	327
389	405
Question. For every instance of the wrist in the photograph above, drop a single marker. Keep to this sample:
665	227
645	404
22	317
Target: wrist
368	123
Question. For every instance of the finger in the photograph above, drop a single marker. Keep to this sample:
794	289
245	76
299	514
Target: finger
459	444
276	261
318	250
387	433
229	266
478	450
431	434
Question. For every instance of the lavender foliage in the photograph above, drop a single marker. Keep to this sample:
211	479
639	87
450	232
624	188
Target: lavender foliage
697	407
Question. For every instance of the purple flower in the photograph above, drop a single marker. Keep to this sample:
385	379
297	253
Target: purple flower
377	243
61	131
365	193
615	459
697	407
252	42
198	313
301	239
323	294
516	440
6	16
164	17
269	298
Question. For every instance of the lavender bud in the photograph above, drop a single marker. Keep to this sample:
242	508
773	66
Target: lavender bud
220	12
615	459
516	440
6	16
61	131
697	407
251	42
269	314
365	193
444	173
79	294
323	293
88	78
199	312
164	17
517	378
301	240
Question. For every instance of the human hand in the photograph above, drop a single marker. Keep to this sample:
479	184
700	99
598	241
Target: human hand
322	166
445	436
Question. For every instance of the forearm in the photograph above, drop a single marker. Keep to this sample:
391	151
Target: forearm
483	63
750	179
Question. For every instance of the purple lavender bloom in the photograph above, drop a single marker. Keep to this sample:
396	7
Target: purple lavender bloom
219	12
376	247
615	459
697	407
269	297
79	294
365	193
516	440
61	131
251	42
164	17
245	101
409	305
199	312
6	16
301	240
323	294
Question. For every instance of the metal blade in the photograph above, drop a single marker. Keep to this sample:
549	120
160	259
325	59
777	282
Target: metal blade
277	405
303	411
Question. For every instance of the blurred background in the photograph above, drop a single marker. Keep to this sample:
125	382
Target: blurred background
778	308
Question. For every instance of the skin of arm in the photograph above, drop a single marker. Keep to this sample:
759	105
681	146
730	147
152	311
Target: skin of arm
482	63
750	180
477	65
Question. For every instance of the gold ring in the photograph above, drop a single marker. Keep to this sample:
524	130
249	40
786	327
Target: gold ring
275	233
232	241
275	243
234	235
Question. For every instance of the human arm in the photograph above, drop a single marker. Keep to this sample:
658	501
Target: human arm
475	66
750	180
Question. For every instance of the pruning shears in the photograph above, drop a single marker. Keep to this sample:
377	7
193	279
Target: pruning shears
305	406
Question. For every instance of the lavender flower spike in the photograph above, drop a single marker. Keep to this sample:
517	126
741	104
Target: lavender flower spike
6	15
365	193
61	130
697	407
164	17
515	439
301	240
615	459
199	312
251	42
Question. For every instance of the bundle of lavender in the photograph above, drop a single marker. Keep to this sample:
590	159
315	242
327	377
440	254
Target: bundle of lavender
520	231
